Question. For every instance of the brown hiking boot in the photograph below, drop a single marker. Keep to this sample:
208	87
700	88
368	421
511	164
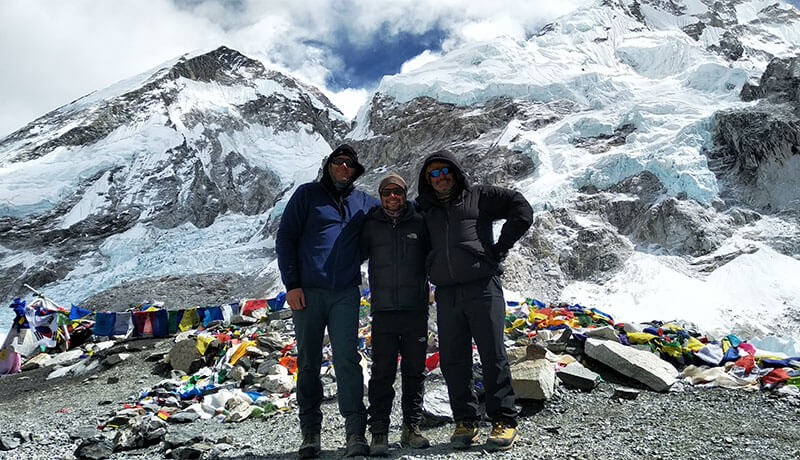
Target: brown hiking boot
465	434
413	437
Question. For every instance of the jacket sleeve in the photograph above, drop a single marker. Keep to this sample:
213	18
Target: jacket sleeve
511	205
287	241
363	242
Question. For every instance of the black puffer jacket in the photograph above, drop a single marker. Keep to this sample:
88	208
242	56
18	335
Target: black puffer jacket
396	253
462	248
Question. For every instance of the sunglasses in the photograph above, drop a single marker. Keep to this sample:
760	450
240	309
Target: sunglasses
439	172
387	192
343	161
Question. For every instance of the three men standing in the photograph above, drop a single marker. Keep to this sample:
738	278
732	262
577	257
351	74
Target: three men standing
464	264
318	251
318	257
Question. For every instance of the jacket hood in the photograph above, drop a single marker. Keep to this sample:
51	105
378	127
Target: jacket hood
424	187
345	150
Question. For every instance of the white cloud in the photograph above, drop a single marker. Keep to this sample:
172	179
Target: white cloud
57	51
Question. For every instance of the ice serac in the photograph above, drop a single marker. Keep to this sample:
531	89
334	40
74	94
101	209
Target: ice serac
643	366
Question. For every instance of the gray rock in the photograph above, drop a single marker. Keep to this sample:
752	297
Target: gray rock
94	449
533	379
625	393
9	442
436	402
185	357
642	366
578	377
183	417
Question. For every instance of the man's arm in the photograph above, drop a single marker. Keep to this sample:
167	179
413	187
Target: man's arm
287	247
511	205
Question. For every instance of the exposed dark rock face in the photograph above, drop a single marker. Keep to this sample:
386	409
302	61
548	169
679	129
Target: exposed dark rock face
756	152
780	83
404	133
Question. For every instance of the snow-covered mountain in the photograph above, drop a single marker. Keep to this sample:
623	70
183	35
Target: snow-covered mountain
657	140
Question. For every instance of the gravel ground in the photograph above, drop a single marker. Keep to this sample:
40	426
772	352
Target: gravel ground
688	422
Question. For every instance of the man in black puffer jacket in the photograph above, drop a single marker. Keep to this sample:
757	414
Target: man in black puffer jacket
395	240
465	266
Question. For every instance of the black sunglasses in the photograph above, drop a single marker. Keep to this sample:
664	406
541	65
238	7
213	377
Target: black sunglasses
387	192
439	172
343	161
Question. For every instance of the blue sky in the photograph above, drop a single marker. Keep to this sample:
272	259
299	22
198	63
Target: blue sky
62	50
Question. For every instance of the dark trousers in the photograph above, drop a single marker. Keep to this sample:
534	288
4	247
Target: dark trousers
404	333
475	310
338	311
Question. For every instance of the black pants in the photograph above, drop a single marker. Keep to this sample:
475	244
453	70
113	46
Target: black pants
468	311
404	333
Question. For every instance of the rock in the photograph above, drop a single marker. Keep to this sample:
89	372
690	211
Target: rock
605	333
94	449
9	443
66	358
533	379
140	432
183	417
625	393
578	377
192	452
278	383
40	360
185	356
642	366
436	403
115	359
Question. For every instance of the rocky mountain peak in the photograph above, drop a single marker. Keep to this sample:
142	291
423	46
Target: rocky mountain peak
220	65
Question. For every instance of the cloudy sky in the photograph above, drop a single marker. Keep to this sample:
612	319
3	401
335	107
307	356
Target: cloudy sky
55	51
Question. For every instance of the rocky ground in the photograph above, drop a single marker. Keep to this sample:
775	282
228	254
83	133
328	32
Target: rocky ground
49	419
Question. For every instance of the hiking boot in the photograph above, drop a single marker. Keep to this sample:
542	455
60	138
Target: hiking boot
413	437
465	434
356	446
310	447
503	436
379	447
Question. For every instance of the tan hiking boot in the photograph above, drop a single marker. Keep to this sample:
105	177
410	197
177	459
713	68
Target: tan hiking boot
503	436
465	434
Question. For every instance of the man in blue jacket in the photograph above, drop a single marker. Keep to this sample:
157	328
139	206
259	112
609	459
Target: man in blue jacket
465	265
318	257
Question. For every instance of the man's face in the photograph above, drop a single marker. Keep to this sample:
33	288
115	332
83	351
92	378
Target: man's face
342	169
442	176
393	198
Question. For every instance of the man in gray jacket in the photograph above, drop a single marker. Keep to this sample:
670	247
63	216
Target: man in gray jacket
395	240
465	266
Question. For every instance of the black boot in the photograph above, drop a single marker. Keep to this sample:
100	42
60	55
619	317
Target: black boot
310	447
356	446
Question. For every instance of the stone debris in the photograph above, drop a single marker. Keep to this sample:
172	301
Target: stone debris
244	369
533	379
575	375
642	366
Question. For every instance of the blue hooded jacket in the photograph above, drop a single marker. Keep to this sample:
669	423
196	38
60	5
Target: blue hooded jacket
318	235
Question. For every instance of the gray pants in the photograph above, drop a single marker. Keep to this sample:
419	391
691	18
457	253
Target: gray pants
338	311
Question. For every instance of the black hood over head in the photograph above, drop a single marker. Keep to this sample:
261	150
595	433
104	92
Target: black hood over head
424	187
342	150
